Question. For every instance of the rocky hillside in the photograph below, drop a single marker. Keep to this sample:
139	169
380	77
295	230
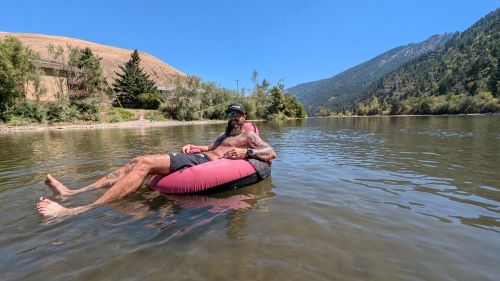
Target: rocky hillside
467	64
112	57
343	89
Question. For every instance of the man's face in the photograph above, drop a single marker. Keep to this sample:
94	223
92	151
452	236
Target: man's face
235	121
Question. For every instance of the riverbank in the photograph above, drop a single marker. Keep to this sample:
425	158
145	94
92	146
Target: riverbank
4	128
144	123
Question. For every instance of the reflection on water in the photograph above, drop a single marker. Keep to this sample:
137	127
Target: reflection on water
407	198
232	205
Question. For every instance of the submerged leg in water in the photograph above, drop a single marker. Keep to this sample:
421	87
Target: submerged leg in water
105	182
50	209
122	184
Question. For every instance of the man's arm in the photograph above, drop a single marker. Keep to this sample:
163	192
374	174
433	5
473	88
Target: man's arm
261	150
189	147
217	142
202	148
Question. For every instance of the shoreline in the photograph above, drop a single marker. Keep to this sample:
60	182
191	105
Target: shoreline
144	123
4	128
413	115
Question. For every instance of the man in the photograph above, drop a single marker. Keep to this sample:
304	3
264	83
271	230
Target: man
234	143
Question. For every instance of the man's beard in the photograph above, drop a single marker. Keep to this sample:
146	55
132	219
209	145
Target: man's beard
234	128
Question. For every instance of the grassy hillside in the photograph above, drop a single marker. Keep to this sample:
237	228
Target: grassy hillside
111	57
343	89
460	77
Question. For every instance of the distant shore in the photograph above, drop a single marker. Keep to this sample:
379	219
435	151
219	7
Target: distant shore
5	128
143	123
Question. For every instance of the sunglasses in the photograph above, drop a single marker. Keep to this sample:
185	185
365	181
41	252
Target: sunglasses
234	114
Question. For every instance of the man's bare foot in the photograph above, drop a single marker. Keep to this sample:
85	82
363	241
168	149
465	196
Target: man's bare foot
57	187
50	209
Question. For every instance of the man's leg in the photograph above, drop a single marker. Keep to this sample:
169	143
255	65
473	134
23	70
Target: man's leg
104	182
126	185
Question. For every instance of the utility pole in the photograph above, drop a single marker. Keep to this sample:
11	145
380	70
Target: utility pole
237	87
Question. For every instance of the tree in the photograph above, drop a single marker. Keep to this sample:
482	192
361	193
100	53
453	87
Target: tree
494	79
324	112
132	82
87	74
277	100
16	70
56	54
261	96
293	108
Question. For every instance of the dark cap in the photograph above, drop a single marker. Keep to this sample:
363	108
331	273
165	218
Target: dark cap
236	107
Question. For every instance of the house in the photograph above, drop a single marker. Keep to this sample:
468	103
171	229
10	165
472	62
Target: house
56	80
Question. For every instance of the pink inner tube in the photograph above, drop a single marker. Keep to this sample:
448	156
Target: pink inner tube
206	176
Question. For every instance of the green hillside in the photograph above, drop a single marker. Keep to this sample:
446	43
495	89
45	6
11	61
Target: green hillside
343	89
460	77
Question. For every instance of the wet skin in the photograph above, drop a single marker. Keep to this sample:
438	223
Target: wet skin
235	147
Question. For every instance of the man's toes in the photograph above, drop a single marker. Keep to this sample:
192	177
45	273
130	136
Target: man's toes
46	201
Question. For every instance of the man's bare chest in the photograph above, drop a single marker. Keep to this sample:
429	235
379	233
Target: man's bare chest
235	141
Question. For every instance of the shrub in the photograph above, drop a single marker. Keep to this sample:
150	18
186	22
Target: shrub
19	121
125	114
89	108
249	105
25	110
62	112
439	105
280	116
186	109
155	116
165	107
217	111
115	118
324	112
120	114
150	100
468	105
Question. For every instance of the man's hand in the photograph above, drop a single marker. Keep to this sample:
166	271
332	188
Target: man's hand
236	153
186	148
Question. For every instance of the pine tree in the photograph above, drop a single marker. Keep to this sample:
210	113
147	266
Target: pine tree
88	74
132	82
277	100
494	80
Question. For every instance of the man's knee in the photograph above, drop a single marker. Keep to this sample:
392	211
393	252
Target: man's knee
152	164
142	162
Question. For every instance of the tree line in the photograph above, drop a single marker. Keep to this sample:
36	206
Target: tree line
83	94
463	76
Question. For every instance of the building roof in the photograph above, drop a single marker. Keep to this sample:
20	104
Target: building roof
47	64
165	88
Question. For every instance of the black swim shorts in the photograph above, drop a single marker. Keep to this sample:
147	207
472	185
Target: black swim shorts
181	160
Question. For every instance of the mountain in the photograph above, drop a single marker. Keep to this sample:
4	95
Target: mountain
466	65
111	57
344	88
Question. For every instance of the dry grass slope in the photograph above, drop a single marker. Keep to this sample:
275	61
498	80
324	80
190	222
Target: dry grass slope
112	57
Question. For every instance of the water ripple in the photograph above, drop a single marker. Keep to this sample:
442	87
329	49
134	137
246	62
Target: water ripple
406	198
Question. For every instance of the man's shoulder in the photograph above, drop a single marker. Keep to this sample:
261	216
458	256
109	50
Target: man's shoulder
248	133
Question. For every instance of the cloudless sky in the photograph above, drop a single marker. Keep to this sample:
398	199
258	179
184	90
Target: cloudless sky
224	41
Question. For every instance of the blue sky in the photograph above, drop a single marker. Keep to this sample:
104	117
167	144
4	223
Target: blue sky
224	41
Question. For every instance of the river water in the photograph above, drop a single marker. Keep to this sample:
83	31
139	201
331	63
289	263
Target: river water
403	198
